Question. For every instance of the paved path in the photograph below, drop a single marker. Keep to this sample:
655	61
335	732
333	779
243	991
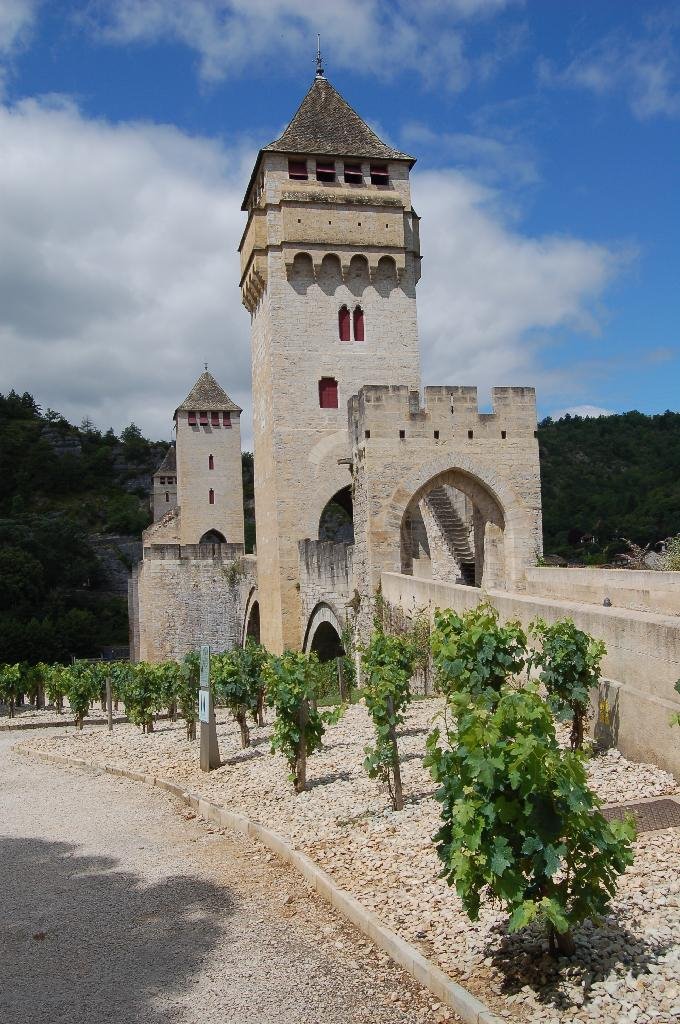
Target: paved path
117	906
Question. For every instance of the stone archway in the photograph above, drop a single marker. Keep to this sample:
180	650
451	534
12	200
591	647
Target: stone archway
251	619
336	520
324	633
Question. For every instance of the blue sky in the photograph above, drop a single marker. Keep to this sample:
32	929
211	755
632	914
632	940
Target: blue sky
547	137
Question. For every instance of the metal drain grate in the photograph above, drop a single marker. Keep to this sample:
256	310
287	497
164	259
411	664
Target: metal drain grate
648	816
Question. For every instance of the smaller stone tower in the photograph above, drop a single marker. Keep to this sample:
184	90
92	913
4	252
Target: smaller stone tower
164	493
210	484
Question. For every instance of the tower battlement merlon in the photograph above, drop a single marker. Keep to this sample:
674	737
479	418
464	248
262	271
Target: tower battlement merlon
447	413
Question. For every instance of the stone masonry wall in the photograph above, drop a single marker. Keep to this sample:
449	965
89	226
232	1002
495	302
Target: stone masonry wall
326	577
195	479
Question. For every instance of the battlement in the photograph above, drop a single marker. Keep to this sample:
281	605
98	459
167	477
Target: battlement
203	552
448	412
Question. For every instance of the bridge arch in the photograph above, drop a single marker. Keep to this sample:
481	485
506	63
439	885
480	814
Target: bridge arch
324	633
251	618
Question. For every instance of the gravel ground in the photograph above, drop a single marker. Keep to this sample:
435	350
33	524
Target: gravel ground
120	906
48	716
628	970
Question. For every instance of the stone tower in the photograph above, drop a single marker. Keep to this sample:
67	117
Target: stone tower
164	491
208	453
330	258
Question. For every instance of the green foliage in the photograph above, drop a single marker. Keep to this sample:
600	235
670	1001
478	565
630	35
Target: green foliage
519	822
611	477
143	693
569	663
292	685
473	652
675	718
188	685
237	676
671	559
387	665
55	684
11	685
82	686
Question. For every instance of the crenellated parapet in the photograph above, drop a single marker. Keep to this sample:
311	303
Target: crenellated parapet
448	413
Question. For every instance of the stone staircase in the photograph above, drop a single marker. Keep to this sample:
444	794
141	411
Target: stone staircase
454	531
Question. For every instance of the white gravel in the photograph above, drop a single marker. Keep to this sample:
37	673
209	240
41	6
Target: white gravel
628	970
120	907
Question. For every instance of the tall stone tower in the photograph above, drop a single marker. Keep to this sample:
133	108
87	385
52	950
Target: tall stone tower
208	452
330	258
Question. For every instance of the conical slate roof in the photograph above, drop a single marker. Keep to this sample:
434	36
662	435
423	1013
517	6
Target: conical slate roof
325	123
207	395
169	463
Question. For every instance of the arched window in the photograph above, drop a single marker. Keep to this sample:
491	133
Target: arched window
343	323
358	324
211	462
328	393
211	496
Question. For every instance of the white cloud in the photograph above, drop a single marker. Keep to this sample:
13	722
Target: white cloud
492	158
382	36
644	67
590	411
491	299
17	18
119	273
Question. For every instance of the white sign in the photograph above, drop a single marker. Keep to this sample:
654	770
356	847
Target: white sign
203	706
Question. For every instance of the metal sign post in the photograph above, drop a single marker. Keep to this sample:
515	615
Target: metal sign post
210	752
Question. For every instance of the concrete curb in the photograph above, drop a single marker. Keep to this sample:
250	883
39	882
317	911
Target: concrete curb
458	999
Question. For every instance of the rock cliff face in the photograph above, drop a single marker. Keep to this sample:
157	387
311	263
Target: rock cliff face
60	442
117	556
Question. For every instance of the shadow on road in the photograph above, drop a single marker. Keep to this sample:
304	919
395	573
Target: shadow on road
84	941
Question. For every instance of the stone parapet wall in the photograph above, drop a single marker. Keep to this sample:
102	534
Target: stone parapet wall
326	578
640	590
641	665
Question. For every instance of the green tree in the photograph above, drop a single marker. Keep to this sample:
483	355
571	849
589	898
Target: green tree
82	686
187	691
569	661
11	682
237	676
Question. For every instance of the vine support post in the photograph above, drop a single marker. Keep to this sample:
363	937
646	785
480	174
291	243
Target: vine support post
301	760
398	795
109	703
210	752
342	681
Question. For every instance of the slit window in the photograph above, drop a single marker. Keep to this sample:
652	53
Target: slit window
402	434
203	419
504	434
358	324
471	434
167	496
353	175
325	170
367	434
297	169
192	419
211	462
211	496
436	435
343	323
226	419
328	393
379	174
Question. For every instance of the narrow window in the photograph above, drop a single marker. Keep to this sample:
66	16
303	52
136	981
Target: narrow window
162	479
379	175
358	324
328	393
192	419
211	496
471	434
215	419
167	496
402	434
343	323
203	419
353	175
504	434
325	170
211	462
367	434
226	419
297	169
436	435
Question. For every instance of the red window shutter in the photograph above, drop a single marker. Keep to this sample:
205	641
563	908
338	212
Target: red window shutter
328	393
343	323
211	496
203	419
226	419
358	324
215	419
325	170
379	174
297	169
192	419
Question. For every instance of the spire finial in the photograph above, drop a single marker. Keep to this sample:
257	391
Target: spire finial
206	366
319	59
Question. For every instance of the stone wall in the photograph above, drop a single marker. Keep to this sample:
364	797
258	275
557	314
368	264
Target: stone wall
326	577
183	596
640	590
641	665
195	479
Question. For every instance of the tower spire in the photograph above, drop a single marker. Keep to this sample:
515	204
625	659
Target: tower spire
319	59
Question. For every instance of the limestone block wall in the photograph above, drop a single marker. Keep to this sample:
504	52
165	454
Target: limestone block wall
196	479
641	590
326	574
181	597
401	449
641	665
163	495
